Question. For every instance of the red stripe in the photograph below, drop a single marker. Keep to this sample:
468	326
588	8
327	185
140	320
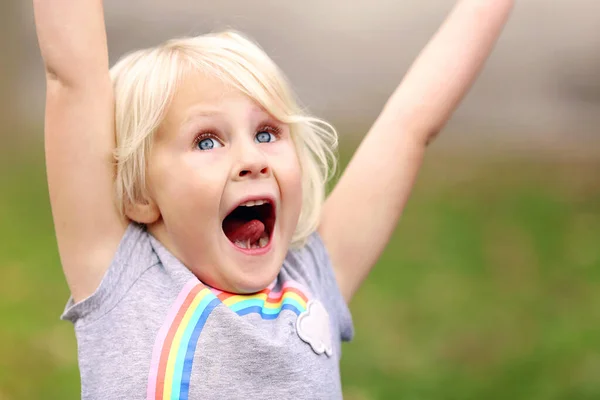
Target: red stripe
164	356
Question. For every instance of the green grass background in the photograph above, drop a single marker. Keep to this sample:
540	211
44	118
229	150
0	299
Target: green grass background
489	288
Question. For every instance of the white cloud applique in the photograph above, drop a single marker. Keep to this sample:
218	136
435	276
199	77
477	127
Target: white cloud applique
313	328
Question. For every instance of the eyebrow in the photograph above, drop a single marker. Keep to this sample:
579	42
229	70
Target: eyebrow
195	112
202	111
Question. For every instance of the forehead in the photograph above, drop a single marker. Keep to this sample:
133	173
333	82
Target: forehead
201	95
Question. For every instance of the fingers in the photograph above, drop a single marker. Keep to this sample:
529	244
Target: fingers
447	67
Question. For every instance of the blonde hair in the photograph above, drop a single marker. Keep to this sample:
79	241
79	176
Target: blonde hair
145	82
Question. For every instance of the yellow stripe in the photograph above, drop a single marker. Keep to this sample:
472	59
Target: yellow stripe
236	299
170	370
262	296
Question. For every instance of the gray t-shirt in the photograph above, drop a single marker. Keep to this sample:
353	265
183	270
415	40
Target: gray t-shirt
153	330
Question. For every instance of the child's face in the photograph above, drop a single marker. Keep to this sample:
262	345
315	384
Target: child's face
215	150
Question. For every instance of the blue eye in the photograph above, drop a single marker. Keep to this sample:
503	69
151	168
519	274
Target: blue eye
208	144
264	137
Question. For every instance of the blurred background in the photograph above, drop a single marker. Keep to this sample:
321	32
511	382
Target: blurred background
489	287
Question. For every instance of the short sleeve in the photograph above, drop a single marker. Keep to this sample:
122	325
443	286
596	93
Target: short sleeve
314	263
134	254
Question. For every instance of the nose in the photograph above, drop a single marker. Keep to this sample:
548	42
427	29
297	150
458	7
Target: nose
251	163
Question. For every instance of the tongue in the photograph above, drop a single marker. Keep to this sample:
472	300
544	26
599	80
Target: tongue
243	231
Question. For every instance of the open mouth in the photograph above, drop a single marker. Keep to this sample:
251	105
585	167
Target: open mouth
250	225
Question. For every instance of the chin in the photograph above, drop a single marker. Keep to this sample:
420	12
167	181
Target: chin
241	276
252	280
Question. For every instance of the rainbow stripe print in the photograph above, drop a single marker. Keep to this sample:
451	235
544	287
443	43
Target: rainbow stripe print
175	344
267	303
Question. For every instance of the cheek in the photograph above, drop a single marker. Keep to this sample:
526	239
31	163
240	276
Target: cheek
289	176
285	161
188	184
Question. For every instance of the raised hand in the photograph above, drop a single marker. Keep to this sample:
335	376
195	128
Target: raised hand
79	138
363	210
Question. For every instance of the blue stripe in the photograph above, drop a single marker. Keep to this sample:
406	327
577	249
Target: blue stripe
185	340
261	304
189	356
259	310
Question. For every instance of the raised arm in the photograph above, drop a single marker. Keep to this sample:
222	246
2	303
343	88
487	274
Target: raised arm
362	211
79	138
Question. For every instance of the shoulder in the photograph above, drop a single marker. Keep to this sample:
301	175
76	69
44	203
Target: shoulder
134	256
310	261
311	265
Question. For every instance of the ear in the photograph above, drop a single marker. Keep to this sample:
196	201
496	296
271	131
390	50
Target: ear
143	212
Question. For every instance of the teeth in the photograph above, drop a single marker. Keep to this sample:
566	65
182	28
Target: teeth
241	244
252	203
263	241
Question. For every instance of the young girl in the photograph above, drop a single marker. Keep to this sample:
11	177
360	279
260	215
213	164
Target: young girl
187	189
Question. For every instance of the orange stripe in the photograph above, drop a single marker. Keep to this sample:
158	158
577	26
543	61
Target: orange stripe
224	295
286	290
164	357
